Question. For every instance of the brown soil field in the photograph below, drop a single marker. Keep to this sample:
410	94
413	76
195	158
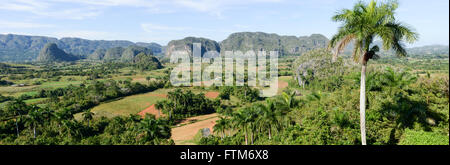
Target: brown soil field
187	132
282	84
212	95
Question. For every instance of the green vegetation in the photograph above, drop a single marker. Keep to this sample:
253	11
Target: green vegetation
34	125
77	99
111	93
186	104
245	93
397	102
423	138
125	106
361	25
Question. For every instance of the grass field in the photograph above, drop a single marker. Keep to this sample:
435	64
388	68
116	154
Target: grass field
132	104
127	105
283	82
34	101
17	91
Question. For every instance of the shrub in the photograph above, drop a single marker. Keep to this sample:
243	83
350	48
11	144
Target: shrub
412	137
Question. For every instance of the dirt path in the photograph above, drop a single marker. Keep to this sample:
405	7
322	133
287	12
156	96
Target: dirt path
187	132
195	119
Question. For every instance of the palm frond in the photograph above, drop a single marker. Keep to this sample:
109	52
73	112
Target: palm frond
357	52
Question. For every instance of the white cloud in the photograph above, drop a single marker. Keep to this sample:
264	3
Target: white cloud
23	25
50	9
217	7
74	13
23	5
86	34
150	28
81	9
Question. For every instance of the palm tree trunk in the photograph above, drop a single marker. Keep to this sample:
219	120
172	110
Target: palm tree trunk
270	135
17	128
362	104
34	131
252	137
246	137
59	128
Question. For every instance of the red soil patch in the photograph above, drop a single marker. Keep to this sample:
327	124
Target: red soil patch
158	95
150	110
282	84
212	94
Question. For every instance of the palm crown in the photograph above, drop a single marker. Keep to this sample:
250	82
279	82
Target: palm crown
366	22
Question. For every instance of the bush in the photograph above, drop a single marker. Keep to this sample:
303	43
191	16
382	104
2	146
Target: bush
225	92
412	137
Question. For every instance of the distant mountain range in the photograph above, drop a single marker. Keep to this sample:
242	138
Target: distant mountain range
26	48
429	50
420	51
20	48
186	44
287	45
256	41
51	53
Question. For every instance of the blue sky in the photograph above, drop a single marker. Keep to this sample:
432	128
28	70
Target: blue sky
164	20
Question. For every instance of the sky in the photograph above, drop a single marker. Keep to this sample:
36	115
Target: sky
163	20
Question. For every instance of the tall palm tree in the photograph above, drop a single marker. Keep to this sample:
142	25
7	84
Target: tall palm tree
34	117
239	121
220	126
175	96
159	106
87	116
153	128
268	119
62	115
362	25
17	108
250	120
283	106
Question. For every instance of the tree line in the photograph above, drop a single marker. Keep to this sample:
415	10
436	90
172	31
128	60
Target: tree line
399	105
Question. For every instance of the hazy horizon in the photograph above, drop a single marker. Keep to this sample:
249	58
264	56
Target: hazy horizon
161	21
